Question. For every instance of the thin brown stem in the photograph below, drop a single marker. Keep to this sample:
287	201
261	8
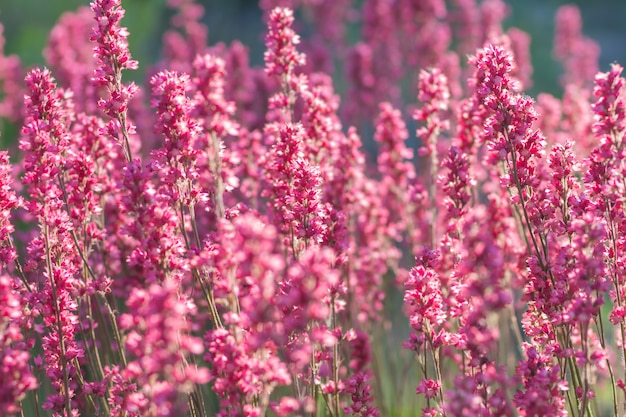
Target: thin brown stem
216	168
335	360
59	329
600	325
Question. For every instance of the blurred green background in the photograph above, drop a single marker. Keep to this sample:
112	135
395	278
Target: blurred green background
28	22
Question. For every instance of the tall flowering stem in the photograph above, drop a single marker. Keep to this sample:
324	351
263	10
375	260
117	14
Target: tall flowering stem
605	178
245	365
281	60
10	77
577	53
398	173
560	281
511	140
17	377
112	56
69	54
294	177
295	188
428	314
177	163
508	128
159	342
10	202
435	96
215	115
160	253
296	207
45	139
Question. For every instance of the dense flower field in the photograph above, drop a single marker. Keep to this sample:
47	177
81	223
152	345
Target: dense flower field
218	241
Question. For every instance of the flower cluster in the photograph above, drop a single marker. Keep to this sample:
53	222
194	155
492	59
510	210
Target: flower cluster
219	242
112	56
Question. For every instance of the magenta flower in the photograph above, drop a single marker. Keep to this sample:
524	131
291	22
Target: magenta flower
112	56
16	377
11	77
158	341
542	385
281	57
45	139
360	396
70	55
111	49
578	54
295	190
394	163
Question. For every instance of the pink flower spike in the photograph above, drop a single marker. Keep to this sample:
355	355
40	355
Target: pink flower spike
112	56
111	50
281	57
